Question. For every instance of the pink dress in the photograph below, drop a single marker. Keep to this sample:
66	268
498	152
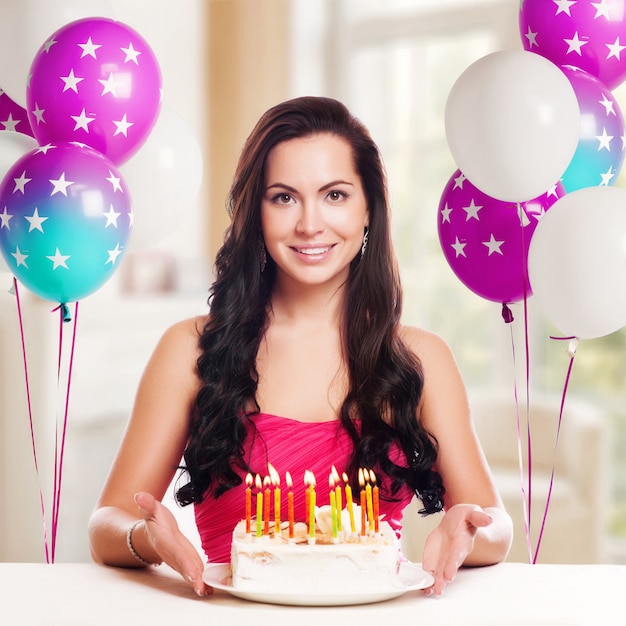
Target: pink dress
294	446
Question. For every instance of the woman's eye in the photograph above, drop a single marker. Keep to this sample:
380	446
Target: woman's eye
282	198
336	196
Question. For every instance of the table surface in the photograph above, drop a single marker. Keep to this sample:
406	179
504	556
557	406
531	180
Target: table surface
85	594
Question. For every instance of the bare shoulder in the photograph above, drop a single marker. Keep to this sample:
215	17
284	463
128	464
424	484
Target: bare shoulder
425	344
178	348
185	332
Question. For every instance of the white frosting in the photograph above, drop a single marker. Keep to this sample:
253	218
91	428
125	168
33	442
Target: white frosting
273	563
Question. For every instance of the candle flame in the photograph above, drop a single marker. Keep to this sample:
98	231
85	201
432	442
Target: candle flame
372	477
288	480
345	477
361	477
335	474
331	481
275	476
311	479
258	482
267	482
249	479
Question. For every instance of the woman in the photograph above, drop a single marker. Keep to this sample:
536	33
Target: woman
301	362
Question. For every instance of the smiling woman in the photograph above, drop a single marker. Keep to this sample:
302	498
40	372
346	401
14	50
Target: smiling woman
314	215
302	364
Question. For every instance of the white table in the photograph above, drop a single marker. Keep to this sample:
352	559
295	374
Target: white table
509	594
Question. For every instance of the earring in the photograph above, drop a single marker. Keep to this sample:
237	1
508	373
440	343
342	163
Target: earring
262	256
366	235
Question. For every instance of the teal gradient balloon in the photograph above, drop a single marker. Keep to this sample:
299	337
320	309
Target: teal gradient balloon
65	220
600	151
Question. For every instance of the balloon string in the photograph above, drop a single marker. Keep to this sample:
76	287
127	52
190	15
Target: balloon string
572	354
519	454
30	419
526	290
59	451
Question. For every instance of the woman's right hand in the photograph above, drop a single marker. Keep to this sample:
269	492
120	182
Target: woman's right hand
169	543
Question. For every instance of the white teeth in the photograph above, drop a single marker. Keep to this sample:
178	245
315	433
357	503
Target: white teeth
313	251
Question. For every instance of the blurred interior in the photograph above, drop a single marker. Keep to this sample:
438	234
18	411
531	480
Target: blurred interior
392	62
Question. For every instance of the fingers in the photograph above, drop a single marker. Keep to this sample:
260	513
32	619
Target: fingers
479	518
146	504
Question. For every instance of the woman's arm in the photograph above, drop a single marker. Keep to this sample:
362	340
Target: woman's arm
147	461
475	530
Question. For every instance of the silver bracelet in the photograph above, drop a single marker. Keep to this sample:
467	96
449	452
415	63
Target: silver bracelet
131	548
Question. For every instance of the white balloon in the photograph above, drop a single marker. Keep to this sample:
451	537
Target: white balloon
13	145
512	122
577	262
24	27
164	178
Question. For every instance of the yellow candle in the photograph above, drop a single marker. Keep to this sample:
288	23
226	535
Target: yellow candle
370	506
312	497
275	477
248	502
338	498
349	503
290	514
259	506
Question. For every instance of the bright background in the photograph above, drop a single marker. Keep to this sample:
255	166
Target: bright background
224	62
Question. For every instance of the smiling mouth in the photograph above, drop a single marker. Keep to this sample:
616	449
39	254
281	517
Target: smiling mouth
313	251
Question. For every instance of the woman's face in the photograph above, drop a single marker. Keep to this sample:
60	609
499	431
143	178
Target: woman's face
313	211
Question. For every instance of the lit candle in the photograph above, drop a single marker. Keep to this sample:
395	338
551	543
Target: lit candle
362	501
248	502
349	501
338	498
276	482
307	496
259	506
290	515
312	508
376	501
266	506
333	506
370	505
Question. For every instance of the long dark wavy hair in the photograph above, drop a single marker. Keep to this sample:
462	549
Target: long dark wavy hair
385	378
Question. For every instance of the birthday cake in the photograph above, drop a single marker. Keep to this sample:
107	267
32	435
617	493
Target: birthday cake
315	561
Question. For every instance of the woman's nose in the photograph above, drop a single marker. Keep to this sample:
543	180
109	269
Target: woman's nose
311	219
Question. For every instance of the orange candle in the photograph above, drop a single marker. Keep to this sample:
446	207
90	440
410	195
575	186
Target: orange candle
349	503
290	515
307	496
259	506
275	477
376	504
266	506
248	502
363	504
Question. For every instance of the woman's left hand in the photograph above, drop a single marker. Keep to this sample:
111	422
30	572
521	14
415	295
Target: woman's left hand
448	545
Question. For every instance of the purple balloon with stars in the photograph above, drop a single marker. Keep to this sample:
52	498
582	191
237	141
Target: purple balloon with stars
485	241
588	35
65	220
13	117
95	81
600	151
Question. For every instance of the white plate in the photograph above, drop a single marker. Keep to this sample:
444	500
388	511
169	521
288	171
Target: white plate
411	576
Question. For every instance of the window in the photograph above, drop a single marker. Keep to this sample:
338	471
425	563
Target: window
393	62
